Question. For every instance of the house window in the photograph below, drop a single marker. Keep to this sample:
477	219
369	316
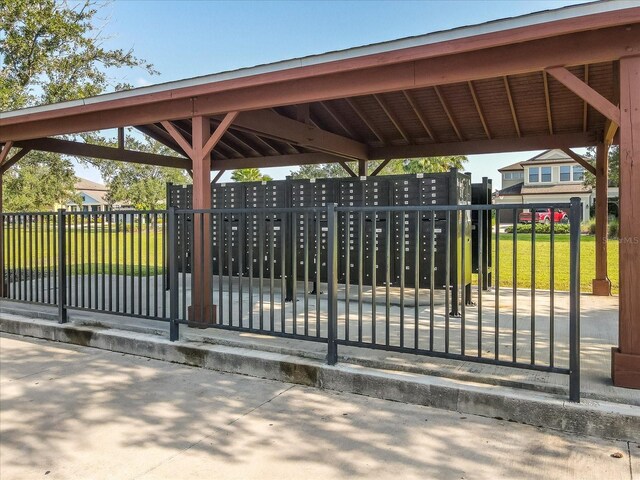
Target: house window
546	174
534	175
578	173
565	173
514	175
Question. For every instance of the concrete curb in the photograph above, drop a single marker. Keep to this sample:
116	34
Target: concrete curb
602	419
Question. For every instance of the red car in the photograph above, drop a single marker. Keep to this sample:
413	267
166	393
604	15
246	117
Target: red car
544	216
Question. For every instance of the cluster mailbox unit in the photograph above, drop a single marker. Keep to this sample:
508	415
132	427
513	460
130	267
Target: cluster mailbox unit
388	240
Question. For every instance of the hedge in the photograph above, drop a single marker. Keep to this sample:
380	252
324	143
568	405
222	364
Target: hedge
540	228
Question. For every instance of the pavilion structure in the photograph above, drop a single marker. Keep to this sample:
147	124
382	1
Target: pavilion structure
564	78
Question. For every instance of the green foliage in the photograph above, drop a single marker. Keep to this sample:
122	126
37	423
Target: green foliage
614	167
41	181
249	175
540	228
614	229
394	167
142	186
52	51
589	227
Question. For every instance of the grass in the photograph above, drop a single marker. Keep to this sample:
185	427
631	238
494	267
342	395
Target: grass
543	262
137	265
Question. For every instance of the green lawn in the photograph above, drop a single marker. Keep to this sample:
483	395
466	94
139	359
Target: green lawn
147	245
561	263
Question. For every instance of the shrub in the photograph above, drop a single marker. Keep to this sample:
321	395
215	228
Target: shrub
613	229
540	228
589	227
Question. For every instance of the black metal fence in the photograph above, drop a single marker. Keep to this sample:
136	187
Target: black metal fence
324	287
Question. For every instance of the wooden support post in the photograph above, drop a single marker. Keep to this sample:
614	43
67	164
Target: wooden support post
362	168
201	311
3	275
625	366
601	285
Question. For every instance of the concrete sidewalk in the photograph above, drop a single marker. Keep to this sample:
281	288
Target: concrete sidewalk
69	412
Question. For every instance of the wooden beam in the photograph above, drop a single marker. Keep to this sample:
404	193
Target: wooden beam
585	92
362	168
512	106
275	161
380	167
78	149
447	110
219	132
547	100
178	137
396	123
347	168
479	109
270	124
365	119
610	129
578	159
421	117
5	151
218	176
626	358
9	162
601	285
495	145
299	85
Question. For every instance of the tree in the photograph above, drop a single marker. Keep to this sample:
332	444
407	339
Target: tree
614	167
142	186
40	182
394	167
52	51
249	175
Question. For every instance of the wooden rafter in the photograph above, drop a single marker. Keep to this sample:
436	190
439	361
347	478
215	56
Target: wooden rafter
584	91
479	109
421	117
581	161
512	106
366	120
335	115
396	122
265	143
219	132
160	135
547	99
239	141
447	110
585	105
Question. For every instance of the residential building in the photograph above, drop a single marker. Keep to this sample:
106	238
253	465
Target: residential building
550	177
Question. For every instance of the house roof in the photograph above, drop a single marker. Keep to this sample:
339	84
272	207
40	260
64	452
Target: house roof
551	189
513	167
88	185
511	190
547	157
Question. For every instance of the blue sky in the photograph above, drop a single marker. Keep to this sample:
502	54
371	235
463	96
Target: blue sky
189	38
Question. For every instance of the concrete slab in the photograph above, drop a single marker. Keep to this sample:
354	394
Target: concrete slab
591	417
69	412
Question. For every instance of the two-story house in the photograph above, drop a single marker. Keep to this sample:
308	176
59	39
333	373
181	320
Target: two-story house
551	177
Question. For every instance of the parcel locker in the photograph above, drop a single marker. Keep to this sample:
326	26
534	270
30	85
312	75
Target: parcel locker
228	229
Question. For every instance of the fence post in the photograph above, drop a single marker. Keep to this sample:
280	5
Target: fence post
173	273
332	284
574	300
62	268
